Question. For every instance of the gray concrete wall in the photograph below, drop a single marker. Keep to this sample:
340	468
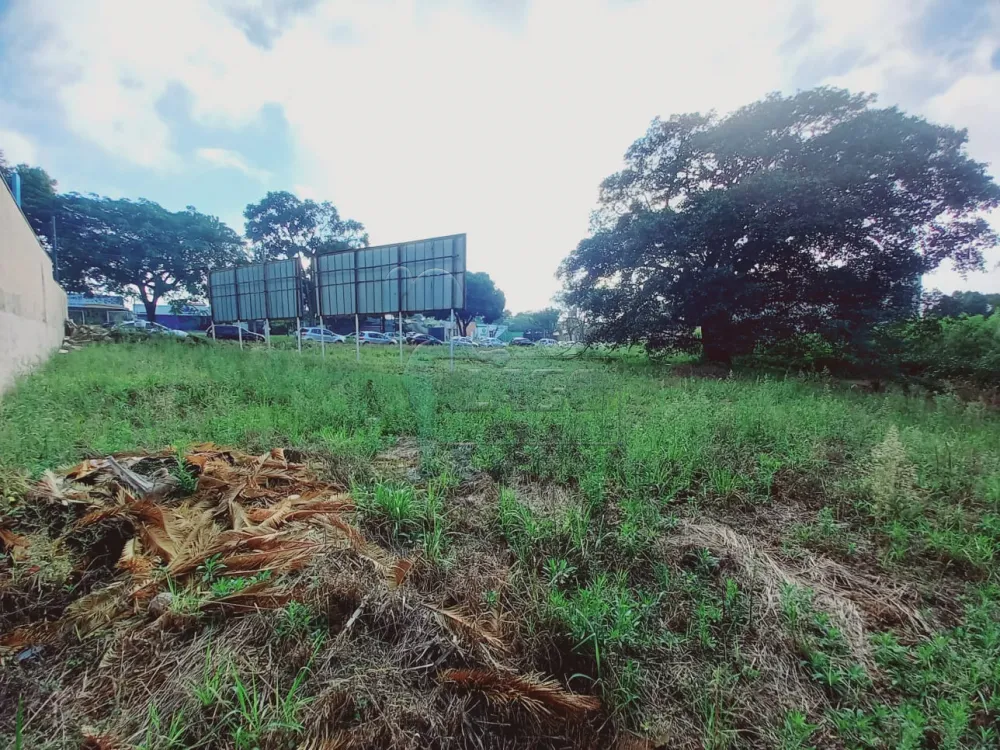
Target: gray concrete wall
32	305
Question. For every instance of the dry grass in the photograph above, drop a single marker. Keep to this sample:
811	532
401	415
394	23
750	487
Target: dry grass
255	609
853	599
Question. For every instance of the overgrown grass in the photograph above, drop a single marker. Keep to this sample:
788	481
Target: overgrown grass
900	488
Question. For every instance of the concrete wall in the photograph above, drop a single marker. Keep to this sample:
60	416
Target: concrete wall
32	305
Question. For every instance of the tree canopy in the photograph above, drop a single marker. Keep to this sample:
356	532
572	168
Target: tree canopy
38	196
816	212
960	303
281	225
482	299
139	247
545	320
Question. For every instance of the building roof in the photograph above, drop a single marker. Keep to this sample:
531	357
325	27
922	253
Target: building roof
140	309
112	301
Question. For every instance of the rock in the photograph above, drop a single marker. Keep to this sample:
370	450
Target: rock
160	603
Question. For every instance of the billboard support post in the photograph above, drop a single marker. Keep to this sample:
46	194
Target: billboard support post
400	335
213	333
239	333
267	332
319	311
298	333
357	338
451	337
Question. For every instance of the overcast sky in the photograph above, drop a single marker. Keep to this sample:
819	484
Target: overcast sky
496	118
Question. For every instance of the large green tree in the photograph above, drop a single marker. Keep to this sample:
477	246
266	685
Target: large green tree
482	300
38	196
545	320
812	212
141	248
38	199
281	225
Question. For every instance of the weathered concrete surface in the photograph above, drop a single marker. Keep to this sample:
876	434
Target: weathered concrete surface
32	305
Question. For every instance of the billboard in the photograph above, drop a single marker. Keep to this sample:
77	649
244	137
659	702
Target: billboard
408	277
263	291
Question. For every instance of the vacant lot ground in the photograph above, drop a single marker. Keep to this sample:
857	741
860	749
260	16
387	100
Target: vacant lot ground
720	561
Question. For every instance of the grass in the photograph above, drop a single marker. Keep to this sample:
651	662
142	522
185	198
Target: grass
595	462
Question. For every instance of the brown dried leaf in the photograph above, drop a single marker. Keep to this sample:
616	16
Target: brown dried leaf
536	694
400	570
36	634
16	544
258	596
457	621
97	608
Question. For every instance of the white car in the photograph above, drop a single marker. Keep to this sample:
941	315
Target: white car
492	341
145	325
463	341
322	334
546	342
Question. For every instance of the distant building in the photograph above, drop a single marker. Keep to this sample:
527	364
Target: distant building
189	317
97	309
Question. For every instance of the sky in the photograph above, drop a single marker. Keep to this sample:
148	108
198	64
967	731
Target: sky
422	118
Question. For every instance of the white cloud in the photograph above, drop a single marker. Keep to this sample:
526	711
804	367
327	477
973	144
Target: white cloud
423	119
227	159
17	149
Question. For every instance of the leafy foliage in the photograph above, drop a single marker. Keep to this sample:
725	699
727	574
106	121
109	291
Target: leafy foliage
38	199
139	247
281	225
810	213
960	303
544	320
482	299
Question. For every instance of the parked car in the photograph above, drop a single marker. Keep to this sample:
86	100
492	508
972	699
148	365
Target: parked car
546	342
521	341
491	341
464	341
371	337
424	339
145	325
231	332
322	334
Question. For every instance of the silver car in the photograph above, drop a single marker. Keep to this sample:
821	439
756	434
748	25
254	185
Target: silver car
322	334
145	325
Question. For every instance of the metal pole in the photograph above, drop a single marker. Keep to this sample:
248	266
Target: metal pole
298	332
213	332
55	251
267	332
239	333
400	335
319	312
451	338
357	338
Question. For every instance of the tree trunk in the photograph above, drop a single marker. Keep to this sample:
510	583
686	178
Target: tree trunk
150	306
716	343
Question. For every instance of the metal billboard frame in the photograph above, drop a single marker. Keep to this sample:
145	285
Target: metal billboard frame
380	280
258	291
343	295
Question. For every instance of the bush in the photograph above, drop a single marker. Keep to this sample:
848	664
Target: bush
966	348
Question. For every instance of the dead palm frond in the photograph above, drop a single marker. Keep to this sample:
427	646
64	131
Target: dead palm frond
539	696
462	624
